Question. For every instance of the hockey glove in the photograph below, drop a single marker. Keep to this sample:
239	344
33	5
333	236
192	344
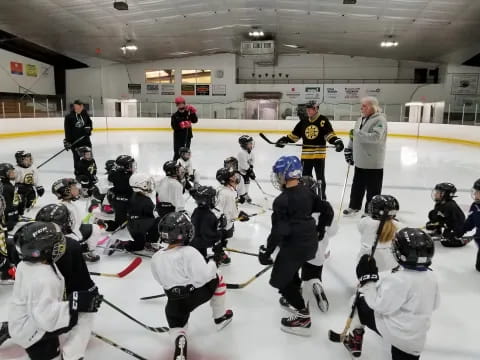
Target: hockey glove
40	190
85	301
243	216
282	141
350	134
251	173
222	222
191	109
88	130
67	144
339	145
185	124
348	153
367	270
264	256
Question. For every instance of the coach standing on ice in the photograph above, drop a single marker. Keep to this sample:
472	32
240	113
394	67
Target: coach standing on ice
366	150
314	130
77	125
181	124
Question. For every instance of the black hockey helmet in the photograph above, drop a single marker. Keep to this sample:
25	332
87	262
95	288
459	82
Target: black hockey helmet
184	153
476	185
244	140
82	150
225	174
475	190
5	171
3	204
311	105
174	169
176	228
205	196
311	183
413	248
40	241
109	165
231	163
57	214
21	156
383	205
61	189
445	190
126	162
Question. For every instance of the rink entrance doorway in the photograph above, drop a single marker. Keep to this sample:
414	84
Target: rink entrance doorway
262	105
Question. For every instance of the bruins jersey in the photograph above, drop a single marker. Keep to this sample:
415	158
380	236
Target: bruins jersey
314	132
26	176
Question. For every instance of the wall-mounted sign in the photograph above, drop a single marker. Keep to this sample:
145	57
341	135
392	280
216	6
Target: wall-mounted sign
465	84
313	92
31	70
153	88
134	89
352	93
16	68
293	93
168	89
219	90
188	90
203	90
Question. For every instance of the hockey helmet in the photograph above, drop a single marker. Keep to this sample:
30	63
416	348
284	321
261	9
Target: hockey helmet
62	189
174	169
231	163
413	248
141	182
443	192
246	142
383	206
224	175
57	214
286	168
7	171
126	163
205	196
23	158
176	228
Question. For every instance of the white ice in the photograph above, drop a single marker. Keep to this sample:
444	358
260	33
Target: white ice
412	168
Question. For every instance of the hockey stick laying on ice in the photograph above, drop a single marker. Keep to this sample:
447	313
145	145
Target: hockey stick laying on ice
132	266
241	252
261	189
119	347
160	329
340	337
153	297
261	212
343	193
244	284
264	137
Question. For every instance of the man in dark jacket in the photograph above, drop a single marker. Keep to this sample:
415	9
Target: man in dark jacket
181	124
77	125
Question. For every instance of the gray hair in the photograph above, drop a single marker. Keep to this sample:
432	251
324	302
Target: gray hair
373	101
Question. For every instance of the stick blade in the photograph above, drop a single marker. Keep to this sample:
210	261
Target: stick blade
234	286
264	137
334	336
133	265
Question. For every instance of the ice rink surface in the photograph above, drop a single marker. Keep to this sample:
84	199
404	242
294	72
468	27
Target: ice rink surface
412	168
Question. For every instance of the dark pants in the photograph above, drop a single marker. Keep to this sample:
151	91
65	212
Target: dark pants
365	180
319	166
142	231
178	311
48	347
120	207
76	157
477	264
367	318
28	196
178	142
310	272
292	293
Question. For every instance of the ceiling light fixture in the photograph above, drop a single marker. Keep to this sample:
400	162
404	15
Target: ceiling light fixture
256	33
129	47
293	46
389	44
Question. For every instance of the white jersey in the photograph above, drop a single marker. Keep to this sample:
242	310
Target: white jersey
170	190
27	176
75	216
189	170
36	306
103	184
383	254
403	302
181	266
227	204
245	161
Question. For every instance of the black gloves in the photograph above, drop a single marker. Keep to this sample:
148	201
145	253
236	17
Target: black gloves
367	270
348	156
222	222
282	141
243	216
67	144
88	130
40	190
251	173
339	145
85	301
264	256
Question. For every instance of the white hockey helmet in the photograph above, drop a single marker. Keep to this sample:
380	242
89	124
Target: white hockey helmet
141	182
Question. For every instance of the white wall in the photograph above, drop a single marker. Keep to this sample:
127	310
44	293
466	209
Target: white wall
43	83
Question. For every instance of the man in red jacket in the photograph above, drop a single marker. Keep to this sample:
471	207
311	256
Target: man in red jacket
181	124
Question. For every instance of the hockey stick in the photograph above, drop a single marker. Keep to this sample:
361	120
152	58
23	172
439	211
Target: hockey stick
241	252
343	193
261	189
264	137
153	297
132	266
261	212
244	284
58	153
119	347
340	337
160	329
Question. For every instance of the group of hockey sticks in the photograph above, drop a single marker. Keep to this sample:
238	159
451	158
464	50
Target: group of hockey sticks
340	337
58	153
264	137
229	286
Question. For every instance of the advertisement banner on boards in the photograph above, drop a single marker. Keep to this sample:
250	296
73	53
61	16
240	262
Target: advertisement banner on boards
168	89
202	90
352	93
153	88
219	90
188	89
332	93
313	93
465	84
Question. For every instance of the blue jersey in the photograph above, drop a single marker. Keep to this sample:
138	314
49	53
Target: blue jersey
473	220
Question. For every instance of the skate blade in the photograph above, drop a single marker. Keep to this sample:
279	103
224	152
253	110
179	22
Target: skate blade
289	309
321	298
224	324
305	332
181	349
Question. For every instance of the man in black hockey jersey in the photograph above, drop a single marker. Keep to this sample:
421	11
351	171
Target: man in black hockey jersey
314	131
294	231
77	125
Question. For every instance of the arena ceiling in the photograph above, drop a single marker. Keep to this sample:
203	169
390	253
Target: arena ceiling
427	30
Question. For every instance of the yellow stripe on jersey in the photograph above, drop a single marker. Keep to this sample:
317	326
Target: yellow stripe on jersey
293	137
313	156
329	136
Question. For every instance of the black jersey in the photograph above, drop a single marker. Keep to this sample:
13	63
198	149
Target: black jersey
314	132
120	180
86	172
12	200
206	228
449	217
293	226
73	268
179	117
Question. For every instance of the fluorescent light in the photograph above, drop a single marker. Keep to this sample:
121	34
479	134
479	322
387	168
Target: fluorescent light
129	47
178	53
256	33
291	46
389	43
